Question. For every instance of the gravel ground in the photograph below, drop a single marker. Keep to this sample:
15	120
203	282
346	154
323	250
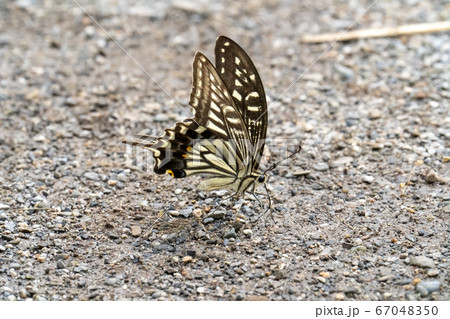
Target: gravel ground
362	213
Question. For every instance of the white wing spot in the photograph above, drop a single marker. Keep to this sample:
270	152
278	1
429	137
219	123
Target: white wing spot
211	77
222	50
223	60
214	96
195	103
203	59
252	94
238	73
222	70
226	44
156	153
237	83
215	128
183	130
212	115
215	107
198	92
233	120
252	77
236	60
237	96
254	108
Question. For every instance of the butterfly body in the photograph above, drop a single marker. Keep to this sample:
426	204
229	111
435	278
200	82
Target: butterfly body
225	137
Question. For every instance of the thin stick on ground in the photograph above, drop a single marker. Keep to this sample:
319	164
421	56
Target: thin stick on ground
379	32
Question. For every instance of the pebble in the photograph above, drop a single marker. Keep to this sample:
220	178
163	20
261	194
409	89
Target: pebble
321	167
201	290
186	212
218	214
23	293
433	272
230	234
136	230
144	203
247	232
187	259
92	176
208	220
422	262
4	206
112	182
161	117
111	281
220	193
339	296
367	179
342	161
346	74
375	114
427	287
178	191
301	172
432	177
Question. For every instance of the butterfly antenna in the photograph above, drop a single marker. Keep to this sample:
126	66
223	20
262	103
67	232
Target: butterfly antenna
299	148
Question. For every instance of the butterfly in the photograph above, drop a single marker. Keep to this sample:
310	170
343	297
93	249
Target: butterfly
225	138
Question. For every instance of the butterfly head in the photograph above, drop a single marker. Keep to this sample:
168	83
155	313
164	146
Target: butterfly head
262	179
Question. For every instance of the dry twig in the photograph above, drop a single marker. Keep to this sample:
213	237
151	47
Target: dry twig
379	32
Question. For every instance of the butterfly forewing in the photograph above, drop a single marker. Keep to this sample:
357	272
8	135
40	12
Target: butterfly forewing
245	86
214	108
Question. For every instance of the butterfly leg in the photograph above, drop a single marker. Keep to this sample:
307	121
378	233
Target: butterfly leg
269	208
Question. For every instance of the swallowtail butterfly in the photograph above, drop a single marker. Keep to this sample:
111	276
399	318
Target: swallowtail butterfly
225	137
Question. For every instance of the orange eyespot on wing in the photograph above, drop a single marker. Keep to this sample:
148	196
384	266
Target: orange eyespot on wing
169	171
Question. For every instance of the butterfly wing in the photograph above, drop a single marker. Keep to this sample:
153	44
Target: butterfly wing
243	82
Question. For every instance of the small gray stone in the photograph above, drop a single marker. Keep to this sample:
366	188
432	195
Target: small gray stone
367	179
201	290
111	281
321	167
60	264
220	193
23	293
144	203
410	296
342	161
136	230
432	177
218	214
345	73
178	191
92	176
230	234
247	232
161	117
422	290
186	212
422	262
4	206
428	287
433	272
208	220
